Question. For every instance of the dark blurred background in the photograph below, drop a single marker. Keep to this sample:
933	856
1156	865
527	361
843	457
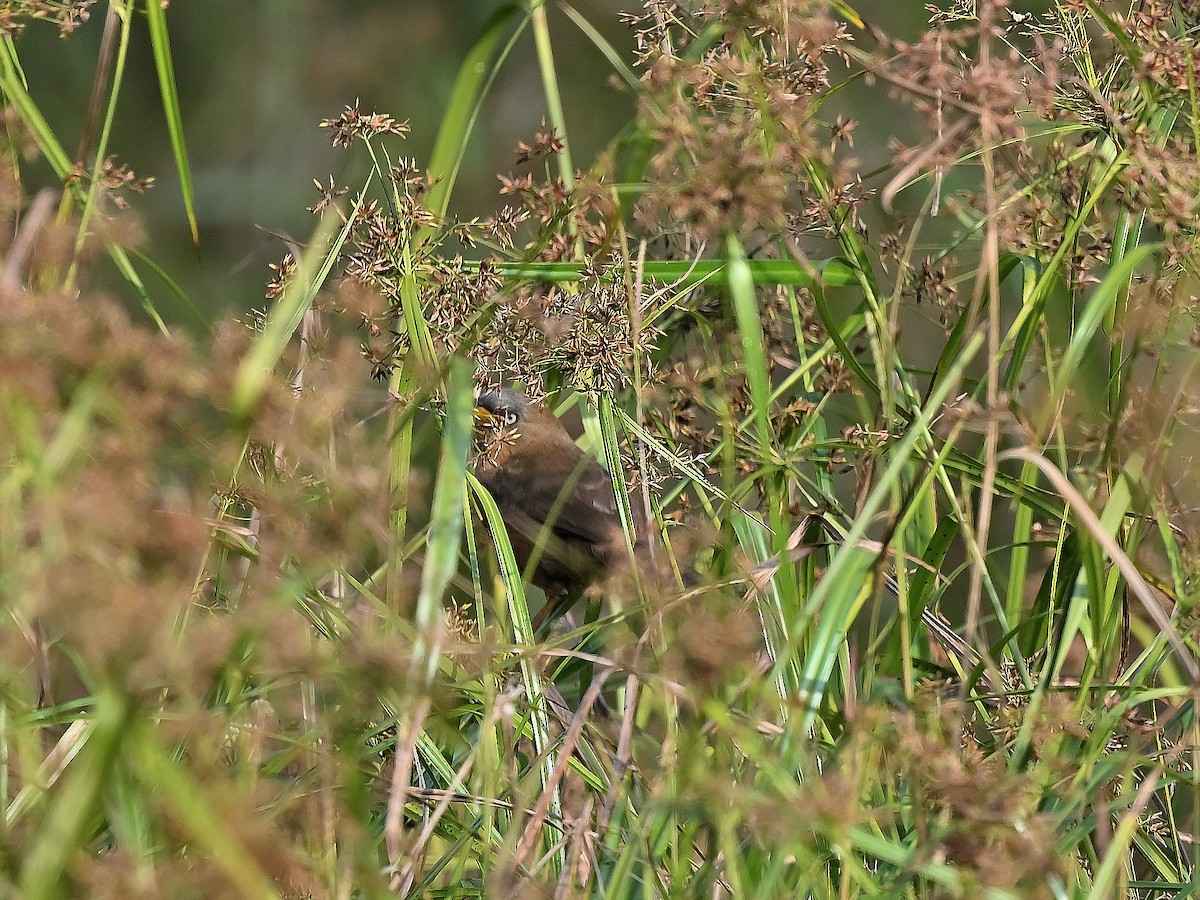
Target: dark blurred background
255	79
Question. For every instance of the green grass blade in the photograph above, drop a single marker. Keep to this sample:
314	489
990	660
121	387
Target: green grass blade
75	810
610	52
1099	305
161	44
474	77
173	286
288	312
841	591
188	803
12	82
554	106
446	526
745	310
101	153
689	273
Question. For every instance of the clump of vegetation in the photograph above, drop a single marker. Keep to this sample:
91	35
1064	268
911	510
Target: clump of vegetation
918	434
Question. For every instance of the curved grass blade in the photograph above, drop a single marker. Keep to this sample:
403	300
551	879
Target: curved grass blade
446	524
1098	307
190	806
12	82
842	590
69	821
535	688
286	315
474	78
101	154
610	52
161	44
745	310
174	288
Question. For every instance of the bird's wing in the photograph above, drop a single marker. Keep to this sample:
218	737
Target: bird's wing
588	511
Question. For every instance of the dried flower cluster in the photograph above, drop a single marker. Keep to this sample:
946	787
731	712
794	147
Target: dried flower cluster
733	121
525	333
1046	69
968	808
66	14
353	125
143	555
117	180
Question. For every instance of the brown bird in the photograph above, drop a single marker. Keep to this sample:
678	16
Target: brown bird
556	501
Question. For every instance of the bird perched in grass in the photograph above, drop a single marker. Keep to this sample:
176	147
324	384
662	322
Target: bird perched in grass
557	502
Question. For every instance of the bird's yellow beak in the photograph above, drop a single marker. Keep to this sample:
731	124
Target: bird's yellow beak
483	414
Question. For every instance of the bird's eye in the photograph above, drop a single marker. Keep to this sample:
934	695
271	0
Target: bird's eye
510	418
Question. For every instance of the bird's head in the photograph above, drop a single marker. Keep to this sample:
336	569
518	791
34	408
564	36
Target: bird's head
511	430
502	407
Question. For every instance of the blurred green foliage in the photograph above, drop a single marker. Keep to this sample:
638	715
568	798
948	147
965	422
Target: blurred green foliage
255	79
